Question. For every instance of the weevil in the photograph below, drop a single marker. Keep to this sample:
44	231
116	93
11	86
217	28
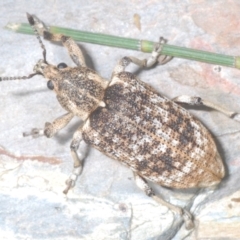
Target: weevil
131	122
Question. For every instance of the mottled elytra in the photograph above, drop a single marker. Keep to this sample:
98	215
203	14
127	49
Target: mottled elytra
131	122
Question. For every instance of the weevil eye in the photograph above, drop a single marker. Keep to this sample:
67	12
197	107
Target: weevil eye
50	85
61	65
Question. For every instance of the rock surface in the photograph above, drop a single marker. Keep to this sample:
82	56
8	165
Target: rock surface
106	203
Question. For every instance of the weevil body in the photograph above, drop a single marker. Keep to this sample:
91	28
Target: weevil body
131	122
155	137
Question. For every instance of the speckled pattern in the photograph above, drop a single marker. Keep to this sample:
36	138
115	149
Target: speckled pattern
153	136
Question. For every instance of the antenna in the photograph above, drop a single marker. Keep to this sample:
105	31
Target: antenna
33	21
18	78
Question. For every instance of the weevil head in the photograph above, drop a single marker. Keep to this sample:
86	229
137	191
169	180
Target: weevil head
47	70
40	67
79	90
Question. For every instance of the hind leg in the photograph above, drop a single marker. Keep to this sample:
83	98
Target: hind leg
197	101
143	185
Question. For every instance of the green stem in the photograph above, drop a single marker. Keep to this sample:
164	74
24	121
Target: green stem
135	44
98	38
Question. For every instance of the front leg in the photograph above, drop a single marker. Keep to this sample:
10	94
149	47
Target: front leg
50	129
73	49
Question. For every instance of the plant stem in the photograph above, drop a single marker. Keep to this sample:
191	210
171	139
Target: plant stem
135	44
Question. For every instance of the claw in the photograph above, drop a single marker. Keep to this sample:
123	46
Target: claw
158	46
70	184
72	179
35	133
162	59
162	40
236	117
187	217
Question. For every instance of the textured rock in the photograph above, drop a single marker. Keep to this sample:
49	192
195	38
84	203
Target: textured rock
106	204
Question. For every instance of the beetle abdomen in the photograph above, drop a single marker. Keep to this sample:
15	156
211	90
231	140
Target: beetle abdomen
154	136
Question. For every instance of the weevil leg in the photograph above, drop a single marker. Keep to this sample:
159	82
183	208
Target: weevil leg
143	185
197	101
162	59
37	24
50	128
76	143
156	53
73	49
